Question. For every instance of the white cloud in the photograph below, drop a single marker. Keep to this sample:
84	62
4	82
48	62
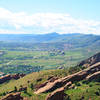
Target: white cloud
45	22
2	31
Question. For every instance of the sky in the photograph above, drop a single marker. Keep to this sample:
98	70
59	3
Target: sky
46	16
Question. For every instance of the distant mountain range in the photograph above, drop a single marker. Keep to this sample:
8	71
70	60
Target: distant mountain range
75	39
50	37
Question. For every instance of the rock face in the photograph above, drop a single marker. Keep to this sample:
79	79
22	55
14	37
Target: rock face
57	86
53	79
51	86
5	78
56	95
90	61
9	77
90	73
40	86
96	75
13	96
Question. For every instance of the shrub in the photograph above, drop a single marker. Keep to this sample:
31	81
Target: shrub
90	85
15	89
32	86
97	93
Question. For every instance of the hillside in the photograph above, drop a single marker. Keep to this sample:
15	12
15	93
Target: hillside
75	40
77	82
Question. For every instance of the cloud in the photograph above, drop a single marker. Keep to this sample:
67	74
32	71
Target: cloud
22	22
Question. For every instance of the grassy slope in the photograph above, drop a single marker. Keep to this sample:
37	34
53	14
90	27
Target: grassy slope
86	90
9	86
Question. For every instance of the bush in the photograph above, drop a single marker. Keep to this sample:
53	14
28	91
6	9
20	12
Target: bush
85	82
97	93
90	85
32	86
15	89
77	84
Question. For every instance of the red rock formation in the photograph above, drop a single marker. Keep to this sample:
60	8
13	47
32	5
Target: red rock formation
67	85
9	77
58	85
40	86
5	78
53	79
51	86
95	75
56	95
90	61
13	96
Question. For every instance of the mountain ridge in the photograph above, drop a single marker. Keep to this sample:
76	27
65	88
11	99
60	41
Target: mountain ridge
75	40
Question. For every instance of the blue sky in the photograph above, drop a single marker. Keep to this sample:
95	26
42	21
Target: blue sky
45	16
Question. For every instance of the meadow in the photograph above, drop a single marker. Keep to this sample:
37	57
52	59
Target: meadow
35	61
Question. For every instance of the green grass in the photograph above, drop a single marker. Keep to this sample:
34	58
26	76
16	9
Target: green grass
32	78
85	90
14	59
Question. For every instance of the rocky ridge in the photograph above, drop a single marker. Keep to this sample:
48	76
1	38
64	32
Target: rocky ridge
90	61
9	77
58	86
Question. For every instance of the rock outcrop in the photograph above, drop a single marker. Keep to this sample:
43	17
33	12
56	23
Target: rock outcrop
9	77
92	72
51	86
56	95
59	94
53	79
94	76
90	61
13	96
5	78
40	86
57	86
